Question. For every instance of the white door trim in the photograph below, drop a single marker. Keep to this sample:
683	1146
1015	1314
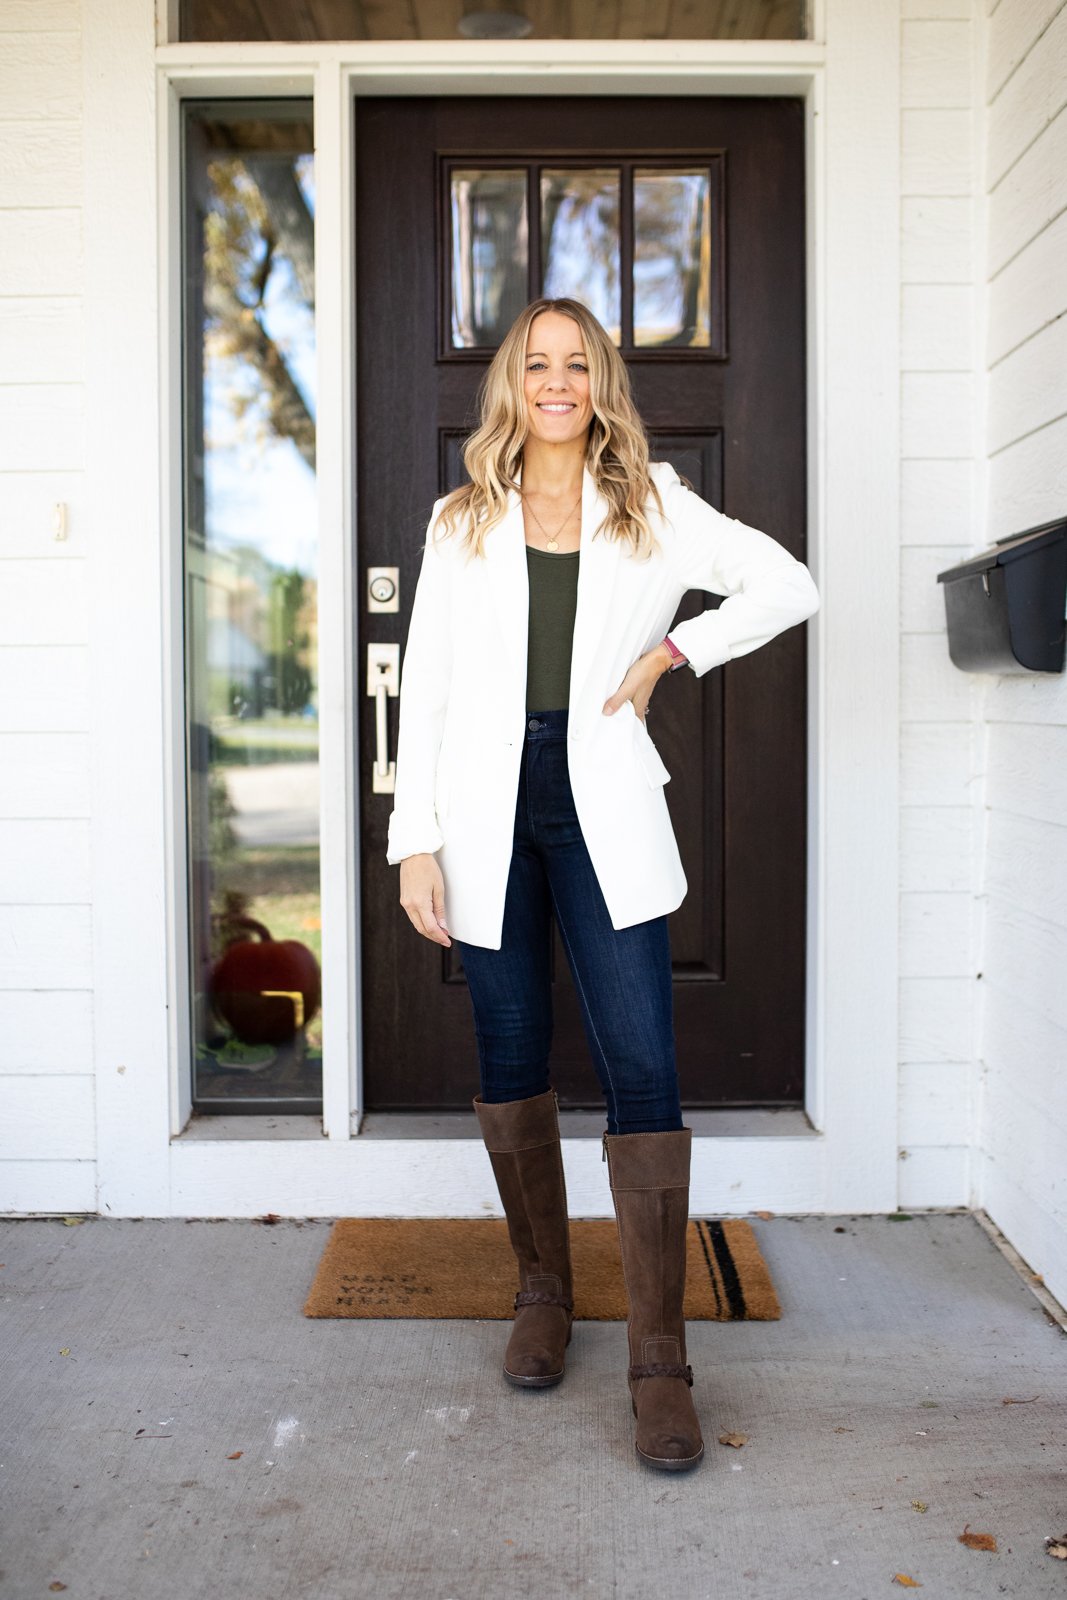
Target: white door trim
147	1165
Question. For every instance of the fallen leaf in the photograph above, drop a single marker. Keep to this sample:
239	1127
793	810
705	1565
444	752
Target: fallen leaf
1056	1547
72	1222
906	1582
736	1439
919	1505
766	1215
54	1588
1008	1401
65	1351
235	1456
270	1217
976	1541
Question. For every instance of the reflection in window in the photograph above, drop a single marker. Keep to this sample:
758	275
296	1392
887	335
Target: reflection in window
580	241
672	258
489	255
251	624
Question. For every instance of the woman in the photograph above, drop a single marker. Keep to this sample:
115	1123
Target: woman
527	787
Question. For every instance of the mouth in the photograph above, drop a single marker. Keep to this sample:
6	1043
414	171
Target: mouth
556	408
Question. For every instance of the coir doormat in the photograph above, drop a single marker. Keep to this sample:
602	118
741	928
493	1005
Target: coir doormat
453	1267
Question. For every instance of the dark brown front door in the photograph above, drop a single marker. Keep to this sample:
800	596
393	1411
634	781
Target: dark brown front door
682	220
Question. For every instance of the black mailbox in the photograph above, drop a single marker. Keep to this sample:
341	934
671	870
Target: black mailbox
1005	608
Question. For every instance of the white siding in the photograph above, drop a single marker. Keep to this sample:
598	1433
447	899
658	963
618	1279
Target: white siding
1022	1125
939	512
47	1117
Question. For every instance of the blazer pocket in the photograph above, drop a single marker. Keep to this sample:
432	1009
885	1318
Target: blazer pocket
649	757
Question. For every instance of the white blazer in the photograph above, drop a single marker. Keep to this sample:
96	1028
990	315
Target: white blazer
462	724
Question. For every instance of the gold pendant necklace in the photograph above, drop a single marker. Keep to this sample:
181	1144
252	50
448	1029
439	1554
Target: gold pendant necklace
553	539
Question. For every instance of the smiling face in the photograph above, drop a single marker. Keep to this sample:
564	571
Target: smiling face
557	379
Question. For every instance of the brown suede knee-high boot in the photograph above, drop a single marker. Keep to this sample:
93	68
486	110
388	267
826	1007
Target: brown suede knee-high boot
522	1138
649	1177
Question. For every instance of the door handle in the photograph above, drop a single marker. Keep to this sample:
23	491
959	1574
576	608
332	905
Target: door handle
383	682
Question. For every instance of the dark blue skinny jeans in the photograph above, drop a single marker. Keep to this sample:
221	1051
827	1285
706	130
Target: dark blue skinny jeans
623	976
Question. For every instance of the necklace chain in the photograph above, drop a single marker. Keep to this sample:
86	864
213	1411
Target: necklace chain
553	539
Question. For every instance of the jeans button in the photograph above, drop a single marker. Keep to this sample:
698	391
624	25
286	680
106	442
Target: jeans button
533	724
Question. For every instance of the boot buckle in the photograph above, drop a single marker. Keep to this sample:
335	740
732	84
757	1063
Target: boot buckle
540	1297
662	1369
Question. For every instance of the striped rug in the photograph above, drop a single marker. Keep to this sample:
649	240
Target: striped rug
454	1267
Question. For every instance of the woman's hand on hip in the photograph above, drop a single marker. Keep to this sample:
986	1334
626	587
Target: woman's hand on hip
422	894
640	681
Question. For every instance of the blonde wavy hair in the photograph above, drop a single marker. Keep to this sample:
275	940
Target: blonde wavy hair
616	451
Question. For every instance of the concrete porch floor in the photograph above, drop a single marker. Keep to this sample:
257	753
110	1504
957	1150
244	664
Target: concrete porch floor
390	1459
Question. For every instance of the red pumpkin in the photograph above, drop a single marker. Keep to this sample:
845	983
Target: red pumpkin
266	989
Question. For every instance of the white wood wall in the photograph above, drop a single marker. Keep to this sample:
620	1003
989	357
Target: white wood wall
940	525
1021	1135
47	1141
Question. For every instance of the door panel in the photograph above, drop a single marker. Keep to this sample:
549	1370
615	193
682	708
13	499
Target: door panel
711	322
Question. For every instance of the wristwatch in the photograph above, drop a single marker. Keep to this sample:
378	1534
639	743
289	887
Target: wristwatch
678	659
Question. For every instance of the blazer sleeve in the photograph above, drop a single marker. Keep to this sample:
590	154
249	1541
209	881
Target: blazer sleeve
424	684
767	588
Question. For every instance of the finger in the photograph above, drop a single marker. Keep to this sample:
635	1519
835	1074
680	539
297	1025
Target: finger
428	922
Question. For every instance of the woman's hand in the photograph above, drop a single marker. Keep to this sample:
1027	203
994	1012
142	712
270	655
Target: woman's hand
422	894
640	681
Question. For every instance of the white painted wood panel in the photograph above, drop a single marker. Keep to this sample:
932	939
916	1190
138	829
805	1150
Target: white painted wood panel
43	691
43	602
936	238
936	847
1028	481
40	164
45	947
40	77
40	340
1034	94
1026	866
1029	1139
934	1177
35	16
937	763
41	427
44	774
1028	389
46	1031
936	8
47	1188
1028	770
26	502
935	1104
936	414
922	598
42	252
44	862
937	328
1026	957
936	935
1013	30
1032	1232
935	63
49	1118
936	152
1029	196
1029	1052
1031	291
938	1020
938	503
932	689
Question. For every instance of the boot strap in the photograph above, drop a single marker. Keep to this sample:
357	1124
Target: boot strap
540	1297
663	1369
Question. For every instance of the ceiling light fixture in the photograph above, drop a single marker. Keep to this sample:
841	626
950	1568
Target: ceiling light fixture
495	25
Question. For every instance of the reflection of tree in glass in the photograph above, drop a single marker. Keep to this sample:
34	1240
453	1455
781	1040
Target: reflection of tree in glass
672	258
258	229
291	640
489	255
580	241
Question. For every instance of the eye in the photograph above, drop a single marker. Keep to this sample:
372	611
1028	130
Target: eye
579	366
535	366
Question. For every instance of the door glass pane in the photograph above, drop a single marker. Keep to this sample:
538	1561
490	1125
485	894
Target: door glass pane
490	255
580	240
672	257
251	578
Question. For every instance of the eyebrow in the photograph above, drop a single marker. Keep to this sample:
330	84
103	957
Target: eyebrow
531	353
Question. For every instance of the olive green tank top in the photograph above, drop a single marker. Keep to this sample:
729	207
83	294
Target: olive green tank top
553	602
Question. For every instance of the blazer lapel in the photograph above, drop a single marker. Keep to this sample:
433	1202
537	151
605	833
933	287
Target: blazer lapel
509	586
